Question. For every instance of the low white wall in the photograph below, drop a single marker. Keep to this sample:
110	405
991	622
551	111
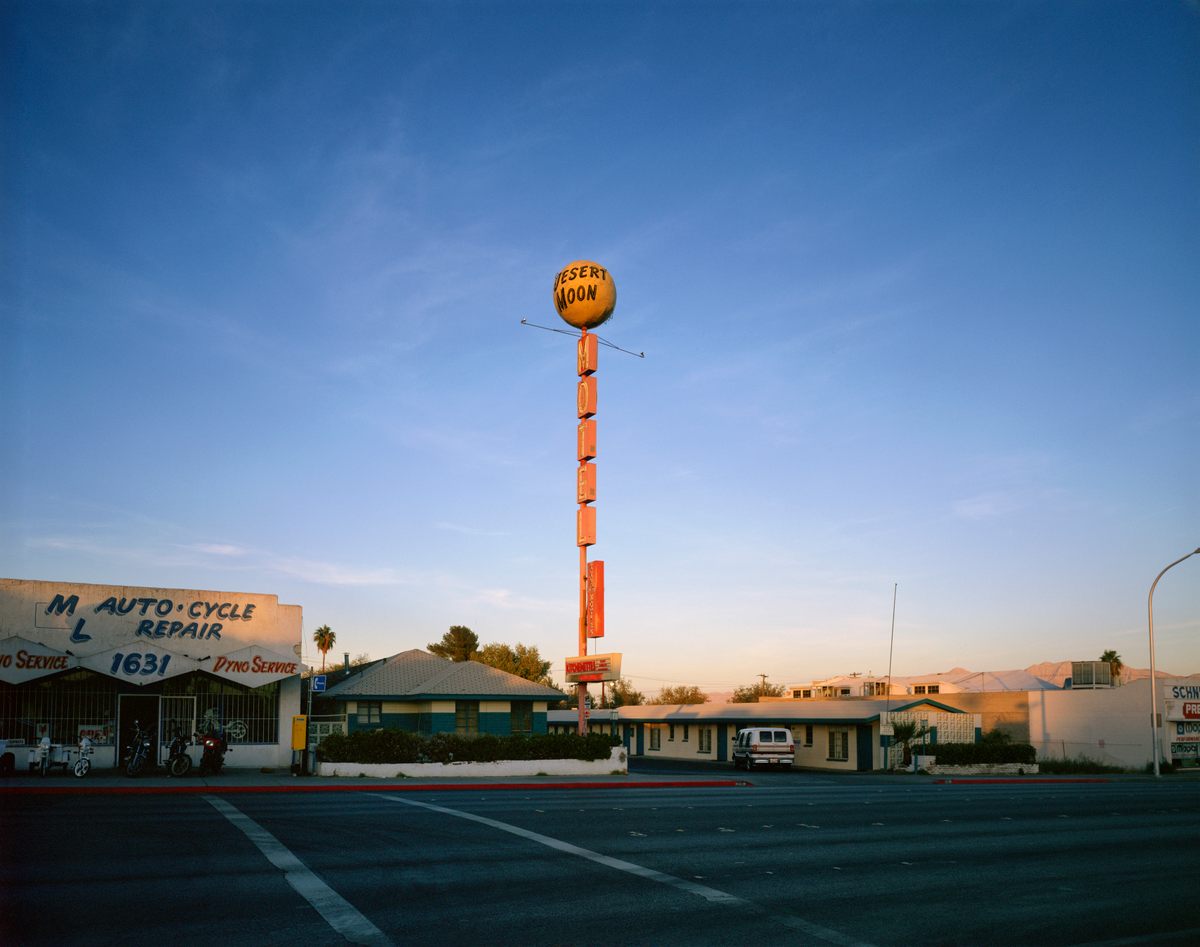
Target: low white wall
616	763
984	769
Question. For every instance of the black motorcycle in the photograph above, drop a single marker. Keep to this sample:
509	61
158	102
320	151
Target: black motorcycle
139	751
179	762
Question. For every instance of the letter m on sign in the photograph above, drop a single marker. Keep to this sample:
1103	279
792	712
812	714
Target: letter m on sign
60	605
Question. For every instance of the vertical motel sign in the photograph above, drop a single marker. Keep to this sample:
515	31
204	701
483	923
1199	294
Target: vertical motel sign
591	574
585	296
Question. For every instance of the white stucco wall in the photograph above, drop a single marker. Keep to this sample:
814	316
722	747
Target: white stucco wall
1110	726
616	763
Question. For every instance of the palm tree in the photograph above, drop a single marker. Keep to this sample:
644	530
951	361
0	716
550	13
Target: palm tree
907	732
1114	662
324	637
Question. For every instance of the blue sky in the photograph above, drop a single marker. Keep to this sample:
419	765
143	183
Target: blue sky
916	282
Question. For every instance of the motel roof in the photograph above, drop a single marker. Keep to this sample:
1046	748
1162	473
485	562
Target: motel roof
419	675
783	713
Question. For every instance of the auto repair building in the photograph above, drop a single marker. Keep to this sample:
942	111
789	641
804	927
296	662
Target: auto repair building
88	660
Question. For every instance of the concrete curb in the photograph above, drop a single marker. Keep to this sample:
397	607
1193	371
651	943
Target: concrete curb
83	789
1032	780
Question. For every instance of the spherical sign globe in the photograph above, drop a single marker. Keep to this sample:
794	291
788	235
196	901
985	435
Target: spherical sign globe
584	294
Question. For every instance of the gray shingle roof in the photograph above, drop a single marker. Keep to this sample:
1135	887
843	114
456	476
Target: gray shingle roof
419	674
783	712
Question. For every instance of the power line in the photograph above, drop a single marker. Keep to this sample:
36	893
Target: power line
599	338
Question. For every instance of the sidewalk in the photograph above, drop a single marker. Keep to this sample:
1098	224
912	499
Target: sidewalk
115	782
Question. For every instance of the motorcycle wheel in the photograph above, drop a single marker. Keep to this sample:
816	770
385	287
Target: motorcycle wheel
181	765
82	767
135	766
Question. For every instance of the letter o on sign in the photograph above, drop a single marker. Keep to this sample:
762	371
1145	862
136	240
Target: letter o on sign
585	294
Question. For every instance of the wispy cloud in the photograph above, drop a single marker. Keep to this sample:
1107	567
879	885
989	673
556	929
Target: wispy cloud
467	530
986	506
225	550
507	600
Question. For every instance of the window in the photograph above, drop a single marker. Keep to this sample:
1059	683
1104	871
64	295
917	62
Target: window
685	733
466	717
839	744
521	716
705	740
670	733
808	734
918	688
844	692
655	738
370	711
934	689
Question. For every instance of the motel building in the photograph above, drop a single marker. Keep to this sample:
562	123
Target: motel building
80	660
835	735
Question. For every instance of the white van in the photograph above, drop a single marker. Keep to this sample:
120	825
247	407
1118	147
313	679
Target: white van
765	746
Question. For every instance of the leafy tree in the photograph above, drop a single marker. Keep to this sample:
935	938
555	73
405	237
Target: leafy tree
682	694
621	693
1114	662
522	660
750	693
460	643
325	637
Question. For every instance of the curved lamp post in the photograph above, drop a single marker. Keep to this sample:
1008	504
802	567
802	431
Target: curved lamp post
1153	674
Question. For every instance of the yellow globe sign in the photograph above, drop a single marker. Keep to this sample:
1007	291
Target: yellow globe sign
584	294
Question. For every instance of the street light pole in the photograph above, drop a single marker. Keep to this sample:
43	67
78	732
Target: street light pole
1153	674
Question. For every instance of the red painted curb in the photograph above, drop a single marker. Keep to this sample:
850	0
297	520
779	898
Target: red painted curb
1015	779
356	787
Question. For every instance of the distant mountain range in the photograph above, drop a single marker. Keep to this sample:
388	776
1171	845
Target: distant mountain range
1052	672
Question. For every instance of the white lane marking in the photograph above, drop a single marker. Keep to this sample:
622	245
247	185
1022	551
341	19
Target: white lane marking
641	871
338	913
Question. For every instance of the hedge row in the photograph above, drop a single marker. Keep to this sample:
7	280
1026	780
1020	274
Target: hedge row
967	754
401	746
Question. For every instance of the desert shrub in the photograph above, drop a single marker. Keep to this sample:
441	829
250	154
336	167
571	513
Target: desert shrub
969	754
1079	766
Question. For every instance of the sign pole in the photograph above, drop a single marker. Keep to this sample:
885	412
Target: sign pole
581	689
585	296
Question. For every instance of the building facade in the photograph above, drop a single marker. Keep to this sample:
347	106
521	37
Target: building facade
422	693
89	660
839	735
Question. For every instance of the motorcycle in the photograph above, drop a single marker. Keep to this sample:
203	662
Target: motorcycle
179	762
84	763
139	751
215	748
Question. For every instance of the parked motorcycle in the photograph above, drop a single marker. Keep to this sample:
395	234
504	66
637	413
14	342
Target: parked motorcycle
215	747
179	762
139	751
84	763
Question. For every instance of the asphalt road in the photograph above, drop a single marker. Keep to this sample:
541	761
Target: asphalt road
795	859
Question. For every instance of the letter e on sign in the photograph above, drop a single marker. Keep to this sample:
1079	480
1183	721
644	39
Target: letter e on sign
585	526
585	483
